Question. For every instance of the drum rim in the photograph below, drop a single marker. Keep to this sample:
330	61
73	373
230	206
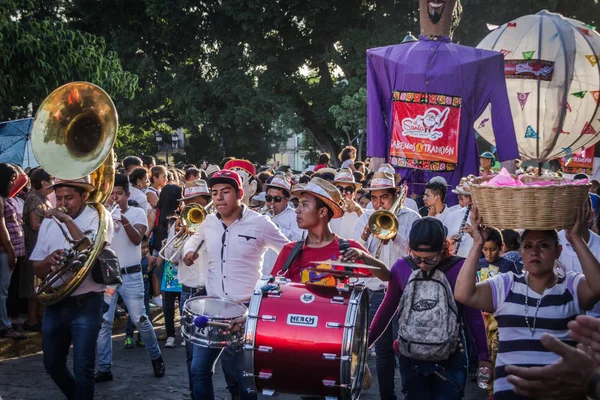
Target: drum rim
359	297
222	299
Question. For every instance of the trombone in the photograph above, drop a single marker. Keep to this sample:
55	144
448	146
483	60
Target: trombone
268	212
192	215
383	224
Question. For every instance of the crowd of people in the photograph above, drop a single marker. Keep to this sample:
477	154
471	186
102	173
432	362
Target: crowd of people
503	297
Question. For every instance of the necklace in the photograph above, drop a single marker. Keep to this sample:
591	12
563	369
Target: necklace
537	306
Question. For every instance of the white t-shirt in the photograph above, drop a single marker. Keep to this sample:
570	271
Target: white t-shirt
287	224
344	226
568	258
347	163
411	204
453	222
50	238
128	253
193	275
138	196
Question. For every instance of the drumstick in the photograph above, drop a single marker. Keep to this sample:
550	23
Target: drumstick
202	322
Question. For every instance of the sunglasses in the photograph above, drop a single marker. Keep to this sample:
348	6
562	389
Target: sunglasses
276	199
348	189
426	261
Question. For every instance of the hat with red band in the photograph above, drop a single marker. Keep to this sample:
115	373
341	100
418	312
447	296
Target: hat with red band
225	176
241	164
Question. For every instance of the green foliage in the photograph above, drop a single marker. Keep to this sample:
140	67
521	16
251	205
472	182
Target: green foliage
39	54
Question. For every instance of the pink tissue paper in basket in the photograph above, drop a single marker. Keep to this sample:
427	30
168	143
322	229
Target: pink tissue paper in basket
505	179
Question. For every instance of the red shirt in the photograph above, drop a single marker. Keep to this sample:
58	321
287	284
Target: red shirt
319	166
297	271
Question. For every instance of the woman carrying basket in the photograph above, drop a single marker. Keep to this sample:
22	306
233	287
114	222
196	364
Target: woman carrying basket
541	300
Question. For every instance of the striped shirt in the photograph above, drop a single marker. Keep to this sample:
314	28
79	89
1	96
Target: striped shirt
13	225
517	346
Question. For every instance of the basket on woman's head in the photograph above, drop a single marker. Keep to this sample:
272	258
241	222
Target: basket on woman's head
528	202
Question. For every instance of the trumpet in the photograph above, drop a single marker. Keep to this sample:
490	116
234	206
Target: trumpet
192	215
269	212
383	224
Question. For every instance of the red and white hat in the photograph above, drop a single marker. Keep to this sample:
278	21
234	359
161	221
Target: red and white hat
195	188
280	182
346	176
241	164
226	176
382	181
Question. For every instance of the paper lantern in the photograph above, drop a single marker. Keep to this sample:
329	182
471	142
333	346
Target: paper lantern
553	80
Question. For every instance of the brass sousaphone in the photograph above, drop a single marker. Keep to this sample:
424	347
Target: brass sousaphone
73	134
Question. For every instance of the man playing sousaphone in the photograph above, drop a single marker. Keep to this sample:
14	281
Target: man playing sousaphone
384	195
345	183
77	318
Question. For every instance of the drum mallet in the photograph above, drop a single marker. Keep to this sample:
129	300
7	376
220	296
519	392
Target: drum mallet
202	322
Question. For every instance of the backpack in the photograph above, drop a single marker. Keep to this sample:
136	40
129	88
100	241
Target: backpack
428	316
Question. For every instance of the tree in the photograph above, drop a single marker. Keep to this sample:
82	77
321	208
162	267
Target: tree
38	54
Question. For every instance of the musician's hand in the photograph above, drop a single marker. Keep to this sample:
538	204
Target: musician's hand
55	258
352	255
190	258
454	238
238	324
468	229
58	214
352	206
366	233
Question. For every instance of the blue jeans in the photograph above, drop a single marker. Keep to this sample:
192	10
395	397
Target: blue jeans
5	275
132	292
203	369
130	325
189	347
423	380
384	349
76	320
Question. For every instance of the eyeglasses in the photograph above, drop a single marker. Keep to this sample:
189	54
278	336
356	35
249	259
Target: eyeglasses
276	199
426	261
347	189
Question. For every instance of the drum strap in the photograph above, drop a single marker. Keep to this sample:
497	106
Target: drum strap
295	251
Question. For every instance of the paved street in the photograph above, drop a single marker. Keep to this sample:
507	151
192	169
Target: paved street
24	378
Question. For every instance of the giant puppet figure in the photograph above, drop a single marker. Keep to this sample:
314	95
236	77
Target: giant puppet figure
423	98
247	172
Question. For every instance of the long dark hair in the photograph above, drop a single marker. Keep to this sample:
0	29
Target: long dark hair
166	206
7	173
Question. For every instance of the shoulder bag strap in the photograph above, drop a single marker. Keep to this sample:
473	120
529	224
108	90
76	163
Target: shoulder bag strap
295	251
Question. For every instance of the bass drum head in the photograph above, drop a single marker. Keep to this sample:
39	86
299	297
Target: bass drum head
357	340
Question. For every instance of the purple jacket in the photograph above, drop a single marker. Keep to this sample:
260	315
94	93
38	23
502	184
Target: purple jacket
400	273
440	67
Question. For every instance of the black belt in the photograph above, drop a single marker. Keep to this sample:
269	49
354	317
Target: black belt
131	270
191	289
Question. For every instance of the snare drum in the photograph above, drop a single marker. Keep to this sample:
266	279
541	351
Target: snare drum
306	339
216	309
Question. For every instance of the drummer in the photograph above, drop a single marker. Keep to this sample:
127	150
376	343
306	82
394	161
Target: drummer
319	202
236	239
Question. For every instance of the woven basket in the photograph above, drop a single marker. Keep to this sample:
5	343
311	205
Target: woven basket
528	207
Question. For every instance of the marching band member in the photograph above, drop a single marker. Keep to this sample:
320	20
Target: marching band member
319	203
277	199
458	222
408	202
384	194
434	198
345	183
236	239
77	318
130	225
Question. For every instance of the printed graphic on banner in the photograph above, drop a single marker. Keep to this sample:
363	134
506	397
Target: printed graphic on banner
529	69
523	99
578	163
425	131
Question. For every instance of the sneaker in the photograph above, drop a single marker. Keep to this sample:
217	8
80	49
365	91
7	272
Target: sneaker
13	334
129	342
157	301
139	342
158	366
170	342
103	376
183	343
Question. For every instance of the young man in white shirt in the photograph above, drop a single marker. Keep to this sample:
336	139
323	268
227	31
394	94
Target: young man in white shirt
77	318
408	202
434	198
236	239
277	199
130	225
384	193
345	183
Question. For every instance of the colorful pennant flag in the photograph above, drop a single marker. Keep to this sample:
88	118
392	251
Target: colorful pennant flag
592	59
505	52
530	133
511	25
568	153
492	27
483	123
562	131
592	27
581	94
523	99
569	107
585	31
596	95
528	55
588	129
494	150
